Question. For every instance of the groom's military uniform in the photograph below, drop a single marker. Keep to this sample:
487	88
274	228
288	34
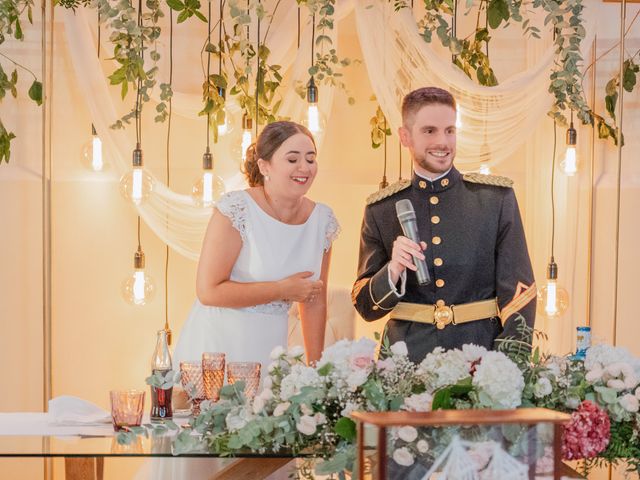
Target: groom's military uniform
481	275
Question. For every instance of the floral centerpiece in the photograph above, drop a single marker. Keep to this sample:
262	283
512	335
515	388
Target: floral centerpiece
305	409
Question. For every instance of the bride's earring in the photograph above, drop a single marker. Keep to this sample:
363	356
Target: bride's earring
267	177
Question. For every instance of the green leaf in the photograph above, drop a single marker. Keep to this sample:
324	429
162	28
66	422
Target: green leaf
176	5
200	16
497	11
346	428
35	92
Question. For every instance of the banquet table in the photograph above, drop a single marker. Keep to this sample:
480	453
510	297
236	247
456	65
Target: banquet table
85	447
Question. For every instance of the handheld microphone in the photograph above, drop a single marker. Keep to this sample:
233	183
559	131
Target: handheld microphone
407	218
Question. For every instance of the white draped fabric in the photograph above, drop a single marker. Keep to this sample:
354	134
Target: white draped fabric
497	120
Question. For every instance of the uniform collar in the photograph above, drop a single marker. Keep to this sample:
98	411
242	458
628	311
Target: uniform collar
440	185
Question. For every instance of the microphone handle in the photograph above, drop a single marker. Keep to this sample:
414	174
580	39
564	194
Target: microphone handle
410	230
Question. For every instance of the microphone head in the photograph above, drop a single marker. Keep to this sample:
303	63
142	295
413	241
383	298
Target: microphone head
404	210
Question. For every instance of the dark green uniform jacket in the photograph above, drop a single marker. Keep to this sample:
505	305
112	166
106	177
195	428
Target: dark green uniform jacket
476	251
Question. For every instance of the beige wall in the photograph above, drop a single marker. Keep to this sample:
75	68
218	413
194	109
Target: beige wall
100	342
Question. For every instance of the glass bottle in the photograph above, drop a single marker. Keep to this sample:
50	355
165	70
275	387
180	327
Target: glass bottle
161	363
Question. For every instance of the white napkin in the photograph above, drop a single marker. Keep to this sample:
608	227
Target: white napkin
68	410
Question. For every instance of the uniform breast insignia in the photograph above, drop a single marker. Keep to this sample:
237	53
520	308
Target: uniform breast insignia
388	191
495	180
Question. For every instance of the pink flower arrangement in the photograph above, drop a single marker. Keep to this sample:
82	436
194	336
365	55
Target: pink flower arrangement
587	434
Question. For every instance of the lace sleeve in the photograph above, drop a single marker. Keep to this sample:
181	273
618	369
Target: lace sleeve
233	206
332	229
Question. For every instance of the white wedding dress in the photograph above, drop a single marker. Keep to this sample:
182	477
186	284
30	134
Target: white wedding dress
271	250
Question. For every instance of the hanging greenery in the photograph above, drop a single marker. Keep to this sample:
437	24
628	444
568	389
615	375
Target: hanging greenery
12	16
566	21
133	40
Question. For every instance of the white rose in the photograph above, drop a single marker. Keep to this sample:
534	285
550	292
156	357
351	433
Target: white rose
629	402
419	402
422	446
304	408
542	387
616	384
235	422
272	366
402	456
399	348
258	404
638	393
276	353
407	433
281	408
306	425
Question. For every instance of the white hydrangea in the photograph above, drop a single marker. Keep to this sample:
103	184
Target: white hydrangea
350	407
399	348
276	352
473	352
299	377
352	362
419	402
441	368
499	381
604	355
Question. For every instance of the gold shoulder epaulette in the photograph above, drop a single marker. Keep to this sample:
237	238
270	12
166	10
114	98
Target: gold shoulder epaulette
495	180
388	191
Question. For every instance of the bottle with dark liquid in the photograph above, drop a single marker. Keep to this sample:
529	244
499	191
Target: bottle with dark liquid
161	363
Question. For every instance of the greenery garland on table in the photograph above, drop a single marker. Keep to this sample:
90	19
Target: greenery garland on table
306	410
129	41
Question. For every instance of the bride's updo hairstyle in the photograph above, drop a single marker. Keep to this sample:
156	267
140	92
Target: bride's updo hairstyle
269	140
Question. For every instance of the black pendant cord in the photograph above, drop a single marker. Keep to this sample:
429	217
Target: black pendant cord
553	204
454	21
208	80
98	33
258	74
313	38
384	171
138	93
139	243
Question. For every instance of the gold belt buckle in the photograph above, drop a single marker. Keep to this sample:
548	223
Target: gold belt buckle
442	316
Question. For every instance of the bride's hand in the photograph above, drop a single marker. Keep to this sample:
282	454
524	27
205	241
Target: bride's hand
299	288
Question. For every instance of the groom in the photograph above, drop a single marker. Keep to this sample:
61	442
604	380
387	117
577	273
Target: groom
475	247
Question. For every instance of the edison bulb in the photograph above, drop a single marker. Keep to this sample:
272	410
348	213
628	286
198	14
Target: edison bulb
136	185
569	165
553	300
138	288
314	119
92	154
208	189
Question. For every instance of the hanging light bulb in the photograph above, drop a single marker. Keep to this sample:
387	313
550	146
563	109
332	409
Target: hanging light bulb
224	119
553	300
569	165
484	169
138	288
92	153
137	184
314	120
209	187
247	136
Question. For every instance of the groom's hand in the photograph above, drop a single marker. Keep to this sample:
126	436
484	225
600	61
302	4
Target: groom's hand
299	288
402	256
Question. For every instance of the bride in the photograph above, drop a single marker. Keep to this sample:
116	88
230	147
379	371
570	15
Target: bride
265	247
